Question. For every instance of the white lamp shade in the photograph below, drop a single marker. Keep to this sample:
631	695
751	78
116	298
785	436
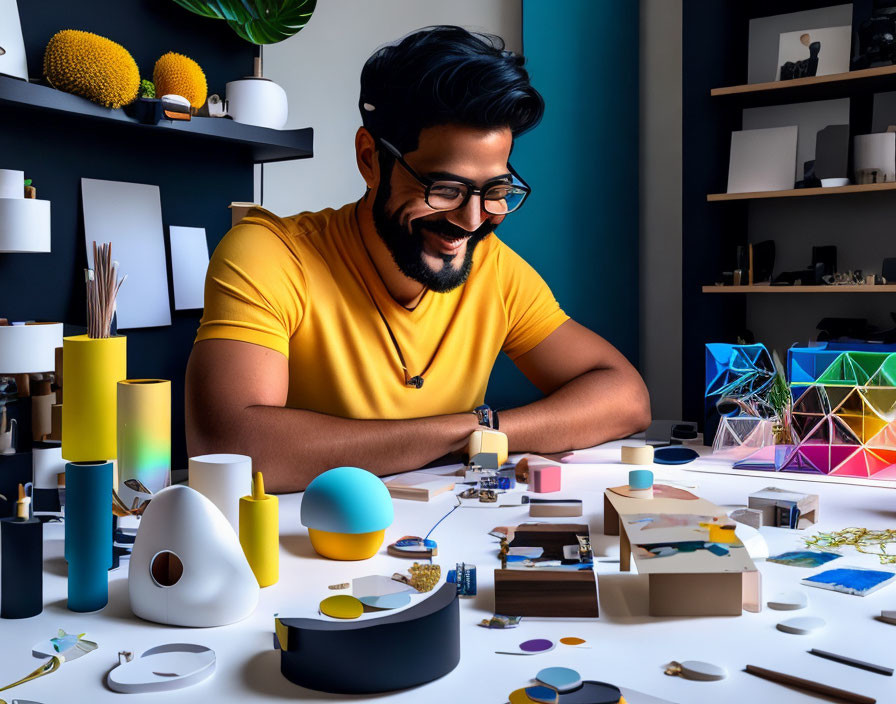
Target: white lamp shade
29	349
24	225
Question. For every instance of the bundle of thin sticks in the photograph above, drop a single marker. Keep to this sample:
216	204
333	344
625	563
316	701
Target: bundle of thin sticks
103	285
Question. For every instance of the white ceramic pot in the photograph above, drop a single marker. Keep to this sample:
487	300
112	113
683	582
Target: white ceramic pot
257	101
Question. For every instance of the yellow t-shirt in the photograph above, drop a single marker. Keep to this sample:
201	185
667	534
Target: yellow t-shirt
304	286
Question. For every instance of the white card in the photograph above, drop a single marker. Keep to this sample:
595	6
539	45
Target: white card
129	215
189	264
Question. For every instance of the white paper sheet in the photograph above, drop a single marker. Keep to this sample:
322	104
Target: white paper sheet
129	215
189	263
762	160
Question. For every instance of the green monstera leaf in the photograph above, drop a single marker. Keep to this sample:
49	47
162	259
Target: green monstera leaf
257	21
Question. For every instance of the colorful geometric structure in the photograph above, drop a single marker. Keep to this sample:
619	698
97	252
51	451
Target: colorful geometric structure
742	372
845	419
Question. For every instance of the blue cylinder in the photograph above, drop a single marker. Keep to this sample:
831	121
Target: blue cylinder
88	533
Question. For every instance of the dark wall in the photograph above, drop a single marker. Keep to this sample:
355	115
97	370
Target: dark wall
197	182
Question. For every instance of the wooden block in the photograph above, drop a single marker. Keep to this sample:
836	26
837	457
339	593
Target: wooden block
419	487
542	592
713	594
56	422
541	508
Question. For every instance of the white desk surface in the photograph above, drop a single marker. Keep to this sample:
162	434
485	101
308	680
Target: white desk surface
628	649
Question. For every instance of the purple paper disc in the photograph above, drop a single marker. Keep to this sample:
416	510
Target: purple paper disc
536	645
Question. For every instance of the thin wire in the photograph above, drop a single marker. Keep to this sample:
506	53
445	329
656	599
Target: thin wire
442	519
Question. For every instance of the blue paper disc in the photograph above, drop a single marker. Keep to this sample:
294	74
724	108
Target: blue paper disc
386	601
560	678
674	454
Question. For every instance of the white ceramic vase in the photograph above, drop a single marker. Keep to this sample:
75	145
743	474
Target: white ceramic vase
187	567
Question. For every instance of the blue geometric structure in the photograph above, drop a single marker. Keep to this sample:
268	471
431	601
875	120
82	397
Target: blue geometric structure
741	372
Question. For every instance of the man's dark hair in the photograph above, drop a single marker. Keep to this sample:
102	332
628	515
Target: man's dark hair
445	75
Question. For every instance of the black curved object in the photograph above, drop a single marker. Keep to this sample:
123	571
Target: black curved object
403	650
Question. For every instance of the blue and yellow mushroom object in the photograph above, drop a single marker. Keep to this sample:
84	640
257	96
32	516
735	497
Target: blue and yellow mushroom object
347	511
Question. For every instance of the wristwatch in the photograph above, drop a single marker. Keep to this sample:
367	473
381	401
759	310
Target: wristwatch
488	418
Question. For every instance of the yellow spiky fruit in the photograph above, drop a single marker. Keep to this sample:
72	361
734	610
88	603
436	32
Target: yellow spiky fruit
91	66
179	74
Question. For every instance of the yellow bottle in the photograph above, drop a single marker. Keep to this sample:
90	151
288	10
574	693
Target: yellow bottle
260	533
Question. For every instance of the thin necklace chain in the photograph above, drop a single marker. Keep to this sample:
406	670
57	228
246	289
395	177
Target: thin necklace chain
416	380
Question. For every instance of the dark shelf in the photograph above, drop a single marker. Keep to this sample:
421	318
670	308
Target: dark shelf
839	85
260	144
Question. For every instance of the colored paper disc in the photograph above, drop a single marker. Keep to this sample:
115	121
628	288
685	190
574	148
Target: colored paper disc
674	455
571	640
560	678
542	695
341	606
386	601
536	645
519	696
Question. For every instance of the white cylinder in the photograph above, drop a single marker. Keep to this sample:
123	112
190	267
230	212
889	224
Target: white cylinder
47	464
24	225
29	349
12	183
223	479
257	101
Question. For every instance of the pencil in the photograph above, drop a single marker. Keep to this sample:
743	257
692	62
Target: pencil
809	685
879	669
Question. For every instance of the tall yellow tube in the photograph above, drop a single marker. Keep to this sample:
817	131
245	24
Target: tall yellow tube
92	369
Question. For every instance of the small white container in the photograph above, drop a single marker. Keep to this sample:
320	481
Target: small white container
257	101
224	480
12	183
24	225
834	182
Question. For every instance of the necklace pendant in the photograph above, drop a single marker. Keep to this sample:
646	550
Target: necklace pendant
415	381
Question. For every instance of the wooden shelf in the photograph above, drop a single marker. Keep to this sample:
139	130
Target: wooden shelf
262	144
813	88
801	192
887	288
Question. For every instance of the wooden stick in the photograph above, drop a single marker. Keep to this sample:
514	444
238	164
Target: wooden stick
809	685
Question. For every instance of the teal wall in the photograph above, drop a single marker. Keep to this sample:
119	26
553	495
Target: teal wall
579	228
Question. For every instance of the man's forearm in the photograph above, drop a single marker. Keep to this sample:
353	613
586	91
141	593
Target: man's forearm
292	446
598	406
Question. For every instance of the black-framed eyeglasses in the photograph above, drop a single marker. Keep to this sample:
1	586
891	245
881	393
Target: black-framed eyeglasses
499	196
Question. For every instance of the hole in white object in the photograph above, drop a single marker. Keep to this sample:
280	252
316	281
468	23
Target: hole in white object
166	569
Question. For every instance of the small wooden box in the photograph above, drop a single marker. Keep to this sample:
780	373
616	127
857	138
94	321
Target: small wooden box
542	591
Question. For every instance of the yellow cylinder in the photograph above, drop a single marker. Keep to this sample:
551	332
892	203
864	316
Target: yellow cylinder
92	368
144	436
260	533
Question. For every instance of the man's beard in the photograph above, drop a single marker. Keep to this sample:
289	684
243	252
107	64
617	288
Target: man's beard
406	247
